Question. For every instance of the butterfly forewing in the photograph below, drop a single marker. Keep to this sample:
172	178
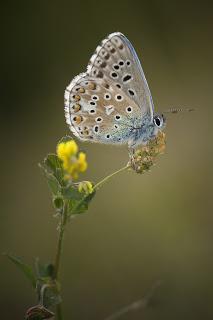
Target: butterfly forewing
116	59
96	110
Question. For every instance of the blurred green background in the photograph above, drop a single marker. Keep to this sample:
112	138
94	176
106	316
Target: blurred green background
139	229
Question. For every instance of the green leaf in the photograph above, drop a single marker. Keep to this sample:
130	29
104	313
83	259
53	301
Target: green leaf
26	269
52	168
58	204
44	270
71	193
48	292
53	184
80	206
38	312
53	162
53	165
51	180
65	139
51	296
46	287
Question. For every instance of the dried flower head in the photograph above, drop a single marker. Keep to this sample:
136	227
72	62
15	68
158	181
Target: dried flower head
144	157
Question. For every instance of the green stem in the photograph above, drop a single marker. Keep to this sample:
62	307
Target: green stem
59	312
63	222
100	183
59	252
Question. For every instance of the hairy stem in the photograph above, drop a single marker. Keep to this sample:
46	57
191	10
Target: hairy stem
59	314
59	252
62	225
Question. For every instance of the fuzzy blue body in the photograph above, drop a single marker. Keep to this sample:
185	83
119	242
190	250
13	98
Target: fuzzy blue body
144	133
137	131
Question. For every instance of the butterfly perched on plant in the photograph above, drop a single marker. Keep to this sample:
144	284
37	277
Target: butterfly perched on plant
111	102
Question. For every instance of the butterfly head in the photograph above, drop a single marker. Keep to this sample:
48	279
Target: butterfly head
159	121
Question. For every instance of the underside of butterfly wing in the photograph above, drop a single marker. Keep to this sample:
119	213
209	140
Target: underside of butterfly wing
117	60
97	111
111	101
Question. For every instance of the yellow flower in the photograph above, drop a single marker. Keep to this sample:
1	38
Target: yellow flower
72	161
67	149
85	186
82	164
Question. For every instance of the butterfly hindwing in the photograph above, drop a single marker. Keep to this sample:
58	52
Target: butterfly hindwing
97	111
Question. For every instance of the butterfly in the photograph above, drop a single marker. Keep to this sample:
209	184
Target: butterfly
111	101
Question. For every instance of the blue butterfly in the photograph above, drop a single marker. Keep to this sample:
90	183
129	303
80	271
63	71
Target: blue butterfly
111	102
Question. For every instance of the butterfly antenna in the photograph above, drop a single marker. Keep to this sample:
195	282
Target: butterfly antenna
177	110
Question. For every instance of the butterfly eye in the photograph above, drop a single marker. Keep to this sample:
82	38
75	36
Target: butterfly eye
158	121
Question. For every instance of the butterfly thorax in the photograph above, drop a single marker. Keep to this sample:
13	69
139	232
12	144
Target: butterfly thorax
143	132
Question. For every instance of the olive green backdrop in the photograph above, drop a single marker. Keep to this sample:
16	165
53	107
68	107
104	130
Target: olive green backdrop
139	229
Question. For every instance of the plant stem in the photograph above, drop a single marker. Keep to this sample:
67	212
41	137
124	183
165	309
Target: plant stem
62	225
100	183
59	312
59	252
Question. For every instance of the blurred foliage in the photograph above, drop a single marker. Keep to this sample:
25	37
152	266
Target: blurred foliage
141	228
68	200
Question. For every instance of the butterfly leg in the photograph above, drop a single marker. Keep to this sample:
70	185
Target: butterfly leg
132	155
131	151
